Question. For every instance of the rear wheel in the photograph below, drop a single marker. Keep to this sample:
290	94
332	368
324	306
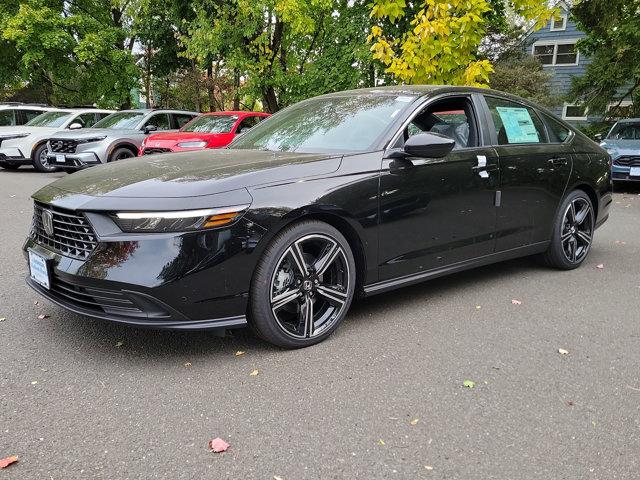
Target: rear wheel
303	285
120	153
40	160
572	232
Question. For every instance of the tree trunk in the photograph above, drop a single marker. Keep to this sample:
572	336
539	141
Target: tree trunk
236	89
211	85
270	99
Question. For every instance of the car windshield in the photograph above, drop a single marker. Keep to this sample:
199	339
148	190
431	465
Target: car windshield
211	124
327	124
49	119
625	132
120	120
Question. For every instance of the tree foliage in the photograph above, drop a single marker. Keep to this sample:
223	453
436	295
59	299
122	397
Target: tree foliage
441	44
77	51
613	37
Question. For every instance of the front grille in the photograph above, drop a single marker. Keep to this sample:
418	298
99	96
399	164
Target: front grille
98	299
627	161
59	145
153	151
72	236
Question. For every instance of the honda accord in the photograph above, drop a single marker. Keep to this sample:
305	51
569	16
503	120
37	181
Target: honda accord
339	196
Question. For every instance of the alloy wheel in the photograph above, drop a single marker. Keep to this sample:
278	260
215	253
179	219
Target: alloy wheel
309	286
577	230
44	160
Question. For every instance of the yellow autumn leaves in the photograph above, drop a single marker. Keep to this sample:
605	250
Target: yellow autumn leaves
441	46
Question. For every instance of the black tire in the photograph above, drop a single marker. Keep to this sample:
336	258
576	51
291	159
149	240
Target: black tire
9	166
571	240
120	153
40	161
326	290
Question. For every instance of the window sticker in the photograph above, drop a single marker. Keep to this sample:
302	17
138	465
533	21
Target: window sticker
518	125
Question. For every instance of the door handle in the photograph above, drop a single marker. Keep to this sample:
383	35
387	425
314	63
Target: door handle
558	161
482	168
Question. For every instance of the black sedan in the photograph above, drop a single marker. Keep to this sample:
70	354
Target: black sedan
344	195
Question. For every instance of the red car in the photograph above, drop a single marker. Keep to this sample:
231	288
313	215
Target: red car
211	130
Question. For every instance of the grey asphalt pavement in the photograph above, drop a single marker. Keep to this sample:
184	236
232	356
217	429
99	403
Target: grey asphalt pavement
82	398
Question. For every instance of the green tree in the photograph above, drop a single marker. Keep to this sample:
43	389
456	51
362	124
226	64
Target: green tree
613	37
442	41
524	76
80	51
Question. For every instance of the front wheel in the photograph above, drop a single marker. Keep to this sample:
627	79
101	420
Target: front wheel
572	232
40	160
303	285
120	153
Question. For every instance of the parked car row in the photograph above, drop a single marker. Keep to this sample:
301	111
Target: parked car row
52	140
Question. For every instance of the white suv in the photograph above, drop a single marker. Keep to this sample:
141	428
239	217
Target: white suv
27	144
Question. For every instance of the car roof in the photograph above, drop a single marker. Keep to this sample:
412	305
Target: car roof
235	112
157	110
629	120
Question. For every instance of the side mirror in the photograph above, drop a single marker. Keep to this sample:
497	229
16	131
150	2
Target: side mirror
430	145
75	126
598	137
150	128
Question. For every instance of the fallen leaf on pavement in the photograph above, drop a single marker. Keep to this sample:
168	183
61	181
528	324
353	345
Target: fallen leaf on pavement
119	344
468	384
35	302
35	382
254	373
188	364
478	307
5	462
239	352
570	403
516	302
42	316
2	319
600	266
381	442
414	421
218	445
562	351
276	477
428	467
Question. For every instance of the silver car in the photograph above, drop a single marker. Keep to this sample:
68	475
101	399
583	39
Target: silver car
27	144
115	137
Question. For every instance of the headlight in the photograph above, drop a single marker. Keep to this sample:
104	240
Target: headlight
92	139
178	221
192	144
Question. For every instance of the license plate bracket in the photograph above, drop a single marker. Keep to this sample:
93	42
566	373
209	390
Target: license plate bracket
61	158
634	172
39	269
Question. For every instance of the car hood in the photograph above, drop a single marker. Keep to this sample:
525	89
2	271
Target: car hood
83	133
190	174
617	148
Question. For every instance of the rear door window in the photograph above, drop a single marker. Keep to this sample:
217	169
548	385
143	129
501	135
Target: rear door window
558	133
7	118
160	120
87	119
515	123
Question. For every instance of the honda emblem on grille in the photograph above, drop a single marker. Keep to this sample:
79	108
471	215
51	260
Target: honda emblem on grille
47	222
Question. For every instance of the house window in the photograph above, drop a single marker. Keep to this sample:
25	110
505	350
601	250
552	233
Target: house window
623	109
557	53
559	23
574	112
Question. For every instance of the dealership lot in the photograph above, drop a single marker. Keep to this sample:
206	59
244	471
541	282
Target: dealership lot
81	398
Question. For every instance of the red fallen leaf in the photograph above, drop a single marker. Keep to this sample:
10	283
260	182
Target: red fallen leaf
600	266
42	316
5	462
218	445
516	302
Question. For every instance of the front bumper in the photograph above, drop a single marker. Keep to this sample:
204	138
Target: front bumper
178	281
74	161
13	156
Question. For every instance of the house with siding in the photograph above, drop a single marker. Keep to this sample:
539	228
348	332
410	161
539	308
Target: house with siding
555	46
